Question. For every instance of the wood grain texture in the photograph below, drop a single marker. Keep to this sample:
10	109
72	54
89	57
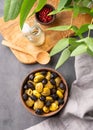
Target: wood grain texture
12	33
39	55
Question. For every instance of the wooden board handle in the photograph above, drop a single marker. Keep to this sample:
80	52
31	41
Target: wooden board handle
40	55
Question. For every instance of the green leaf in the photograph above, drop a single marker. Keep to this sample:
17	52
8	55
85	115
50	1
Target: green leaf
79	50
60	28
61	4
54	12
76	10
82	29
72	47
84	10
90	26
67	9
90	52
63	43
77	1
64	56
89	42
41	3
60	7
12	9
74	44
78	32
91	12
72	40
25	9
81	40
86	3
68	2
74	28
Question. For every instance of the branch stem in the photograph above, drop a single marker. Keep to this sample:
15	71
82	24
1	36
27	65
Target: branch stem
90	29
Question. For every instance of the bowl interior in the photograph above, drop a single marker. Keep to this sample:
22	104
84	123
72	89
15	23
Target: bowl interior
42	16
60	106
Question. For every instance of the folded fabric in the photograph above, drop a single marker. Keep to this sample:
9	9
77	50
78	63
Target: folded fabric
78	112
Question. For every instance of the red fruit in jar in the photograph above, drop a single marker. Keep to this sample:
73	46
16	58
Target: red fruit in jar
43	14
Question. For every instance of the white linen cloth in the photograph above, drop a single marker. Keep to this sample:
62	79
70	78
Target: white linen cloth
78	112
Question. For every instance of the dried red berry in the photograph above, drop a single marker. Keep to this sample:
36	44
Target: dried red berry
43	14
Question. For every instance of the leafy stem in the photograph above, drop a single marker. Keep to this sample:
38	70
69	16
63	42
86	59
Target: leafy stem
72	46
71	20
89	28
89	33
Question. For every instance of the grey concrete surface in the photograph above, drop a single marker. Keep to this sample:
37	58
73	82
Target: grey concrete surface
13	116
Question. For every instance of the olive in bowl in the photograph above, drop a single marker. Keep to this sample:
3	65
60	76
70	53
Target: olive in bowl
42	16
44	92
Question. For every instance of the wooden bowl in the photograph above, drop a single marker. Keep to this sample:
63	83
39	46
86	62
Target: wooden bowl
51	113
42	16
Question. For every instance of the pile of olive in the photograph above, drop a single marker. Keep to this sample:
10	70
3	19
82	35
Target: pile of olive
43	92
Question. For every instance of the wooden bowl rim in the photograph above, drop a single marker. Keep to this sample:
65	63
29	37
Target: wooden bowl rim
65	97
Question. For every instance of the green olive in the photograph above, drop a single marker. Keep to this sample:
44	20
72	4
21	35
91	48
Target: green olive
46	91
29	102
48	76
53	107
56	102
46	109
58	81
28	92
59	93
38	104
62	90
38	73
36	93
30	81
38	78
39	87
49	85
49	98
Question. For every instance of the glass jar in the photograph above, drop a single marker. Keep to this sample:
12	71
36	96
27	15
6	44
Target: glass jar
34	34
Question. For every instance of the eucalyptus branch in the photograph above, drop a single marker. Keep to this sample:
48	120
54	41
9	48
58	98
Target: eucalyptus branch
71	22
73	46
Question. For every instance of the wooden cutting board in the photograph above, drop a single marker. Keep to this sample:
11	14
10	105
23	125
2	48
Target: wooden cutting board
12	33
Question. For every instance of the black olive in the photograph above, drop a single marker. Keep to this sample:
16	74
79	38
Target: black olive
52	81
61	101
31	85
48	103
44	81
62	86
53	91
54	96
31	76
54	75
25	96
44	72
25	86
39	111
33	97
42	98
